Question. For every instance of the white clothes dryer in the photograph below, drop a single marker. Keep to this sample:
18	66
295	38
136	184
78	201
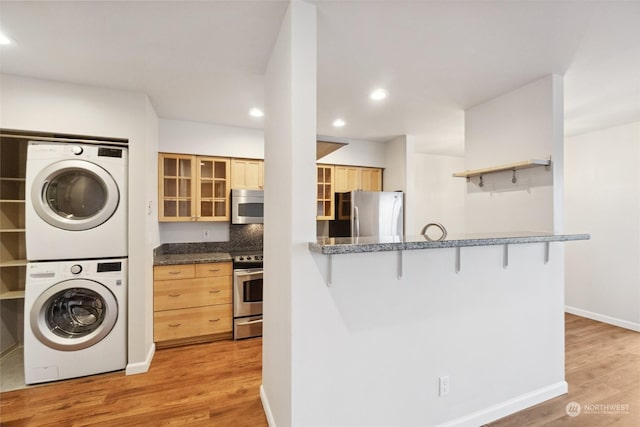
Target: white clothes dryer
76	201
75	321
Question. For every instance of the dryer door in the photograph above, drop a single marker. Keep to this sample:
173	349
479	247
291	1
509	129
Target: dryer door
74	195
74	314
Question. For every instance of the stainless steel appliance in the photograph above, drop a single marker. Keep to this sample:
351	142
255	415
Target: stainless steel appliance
247	206
368	213
247	296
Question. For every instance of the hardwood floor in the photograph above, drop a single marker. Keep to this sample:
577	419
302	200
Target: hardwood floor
217	384
214	384
602	367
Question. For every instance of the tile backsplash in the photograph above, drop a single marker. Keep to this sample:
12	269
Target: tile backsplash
242	237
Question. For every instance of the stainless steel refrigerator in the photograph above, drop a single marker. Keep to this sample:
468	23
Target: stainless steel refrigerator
368	213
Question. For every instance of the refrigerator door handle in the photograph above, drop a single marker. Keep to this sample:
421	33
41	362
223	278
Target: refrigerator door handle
397	217
356	221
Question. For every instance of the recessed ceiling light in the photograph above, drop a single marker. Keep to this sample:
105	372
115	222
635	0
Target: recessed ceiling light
4	40
378	94
255	112
339	123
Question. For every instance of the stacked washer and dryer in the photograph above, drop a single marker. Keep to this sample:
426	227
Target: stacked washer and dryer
75	320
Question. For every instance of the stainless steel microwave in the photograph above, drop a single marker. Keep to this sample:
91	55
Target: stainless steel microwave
247	206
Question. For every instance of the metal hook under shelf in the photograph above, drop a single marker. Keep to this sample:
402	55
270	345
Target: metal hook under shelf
481	182
513	178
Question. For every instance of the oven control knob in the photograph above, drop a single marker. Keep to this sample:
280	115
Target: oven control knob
241	258
76	269
77	150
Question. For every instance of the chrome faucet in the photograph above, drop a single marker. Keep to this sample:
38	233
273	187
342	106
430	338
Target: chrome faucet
434	224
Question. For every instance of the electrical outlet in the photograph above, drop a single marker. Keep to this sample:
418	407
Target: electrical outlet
444	385
206	234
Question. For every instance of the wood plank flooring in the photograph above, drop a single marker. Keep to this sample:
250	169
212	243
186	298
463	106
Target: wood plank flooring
602	367
217	384
214	384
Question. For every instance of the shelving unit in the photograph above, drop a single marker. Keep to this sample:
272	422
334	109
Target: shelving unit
526	164
509	167
13	262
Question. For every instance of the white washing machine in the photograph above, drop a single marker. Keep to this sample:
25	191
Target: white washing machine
75	319
76	201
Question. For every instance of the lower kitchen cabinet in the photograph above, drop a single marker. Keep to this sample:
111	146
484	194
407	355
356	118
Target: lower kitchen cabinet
192	303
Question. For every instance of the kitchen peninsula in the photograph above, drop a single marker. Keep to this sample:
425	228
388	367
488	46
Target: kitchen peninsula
460	331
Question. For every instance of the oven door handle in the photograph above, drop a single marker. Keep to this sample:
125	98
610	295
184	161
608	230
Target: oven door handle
250	322
251	273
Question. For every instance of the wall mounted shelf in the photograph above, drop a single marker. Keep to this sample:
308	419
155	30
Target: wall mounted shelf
509	167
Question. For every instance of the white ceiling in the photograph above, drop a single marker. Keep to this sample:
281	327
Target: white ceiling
204	61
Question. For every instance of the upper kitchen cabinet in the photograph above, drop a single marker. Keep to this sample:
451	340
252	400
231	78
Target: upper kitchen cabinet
193	188
213	189
325	191
352	178
371	179
247	174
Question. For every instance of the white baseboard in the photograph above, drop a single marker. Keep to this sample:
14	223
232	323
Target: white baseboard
603	318
266	407
142	367
510	406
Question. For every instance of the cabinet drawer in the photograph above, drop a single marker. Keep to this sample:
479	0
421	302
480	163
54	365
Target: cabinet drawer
214	269
175	294
192	322
171	272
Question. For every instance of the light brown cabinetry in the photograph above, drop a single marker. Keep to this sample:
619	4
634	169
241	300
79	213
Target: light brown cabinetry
193	188
352	178
247	174
370	179
13	155
325	191
192	303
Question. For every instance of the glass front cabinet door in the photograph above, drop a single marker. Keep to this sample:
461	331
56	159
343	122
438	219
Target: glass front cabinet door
213	189
193	188
176	187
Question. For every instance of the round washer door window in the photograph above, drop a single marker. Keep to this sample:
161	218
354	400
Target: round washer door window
75	195
74	314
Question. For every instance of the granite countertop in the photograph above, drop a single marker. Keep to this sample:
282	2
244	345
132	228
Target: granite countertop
191	258
349	245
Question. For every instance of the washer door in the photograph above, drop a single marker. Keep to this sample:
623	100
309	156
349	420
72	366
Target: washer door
74	314
74	195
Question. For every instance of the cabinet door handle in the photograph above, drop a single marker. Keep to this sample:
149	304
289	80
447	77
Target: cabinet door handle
175	272
214	291
174	325
213	270
174	295
214	320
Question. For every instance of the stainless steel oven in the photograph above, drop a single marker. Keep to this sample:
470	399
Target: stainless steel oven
247	296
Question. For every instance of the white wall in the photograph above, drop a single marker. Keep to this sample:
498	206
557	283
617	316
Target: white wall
179	136
290	175
602	198
356	153
47	106
399	175
438	197
520	125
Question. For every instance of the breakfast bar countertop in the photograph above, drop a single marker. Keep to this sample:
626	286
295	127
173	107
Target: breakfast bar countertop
191	258
348	245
